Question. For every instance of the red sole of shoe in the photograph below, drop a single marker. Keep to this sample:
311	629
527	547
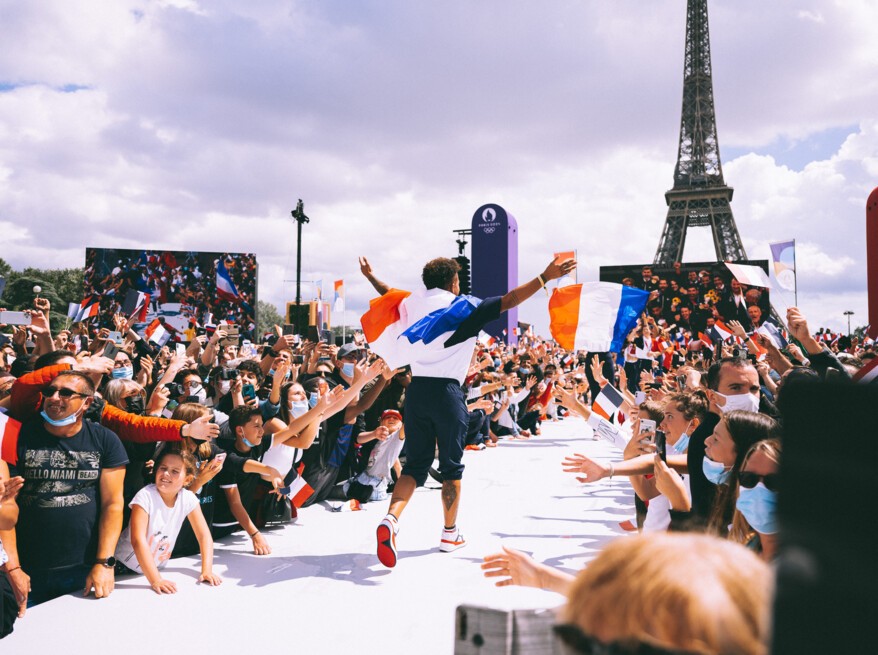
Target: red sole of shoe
386	546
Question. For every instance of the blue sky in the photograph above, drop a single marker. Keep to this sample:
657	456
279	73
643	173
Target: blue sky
196	125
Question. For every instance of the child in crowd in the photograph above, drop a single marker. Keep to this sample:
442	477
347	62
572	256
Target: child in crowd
388	439
157	514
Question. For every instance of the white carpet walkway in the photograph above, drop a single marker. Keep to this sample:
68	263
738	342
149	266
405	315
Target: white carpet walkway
322	590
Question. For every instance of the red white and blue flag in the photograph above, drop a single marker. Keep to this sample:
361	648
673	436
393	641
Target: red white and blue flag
594	316
225	288
88	308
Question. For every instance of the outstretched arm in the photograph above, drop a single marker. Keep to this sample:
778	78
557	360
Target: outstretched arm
518	295
366	270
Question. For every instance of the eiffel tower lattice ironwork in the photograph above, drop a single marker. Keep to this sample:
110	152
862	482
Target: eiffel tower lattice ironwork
700	196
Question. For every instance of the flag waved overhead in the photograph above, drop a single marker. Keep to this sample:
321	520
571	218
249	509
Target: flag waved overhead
594	316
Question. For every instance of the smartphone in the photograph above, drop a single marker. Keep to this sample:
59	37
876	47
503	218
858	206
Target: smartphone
681	382
284	491
289	329
661	445
232	337
647	431
220	457
168	411
111	350
116	337
313	334
326	335
180	349
248	391
297	359
15	318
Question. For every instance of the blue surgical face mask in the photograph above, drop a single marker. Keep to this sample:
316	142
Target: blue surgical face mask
123	373
313	399
683	442
61	422
247	443
271	373
298	407
758	507
715	471
348	369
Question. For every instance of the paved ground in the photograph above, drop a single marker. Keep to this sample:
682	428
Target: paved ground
323	591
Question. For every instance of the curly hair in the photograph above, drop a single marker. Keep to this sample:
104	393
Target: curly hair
438	273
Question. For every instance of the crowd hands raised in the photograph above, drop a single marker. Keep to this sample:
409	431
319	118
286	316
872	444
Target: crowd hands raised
169	449
189	281
701	436
129	454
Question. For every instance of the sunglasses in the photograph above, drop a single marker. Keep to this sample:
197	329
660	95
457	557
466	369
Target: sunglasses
750	480
48	392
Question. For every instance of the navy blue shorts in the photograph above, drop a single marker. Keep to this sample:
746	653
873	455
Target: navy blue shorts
435	415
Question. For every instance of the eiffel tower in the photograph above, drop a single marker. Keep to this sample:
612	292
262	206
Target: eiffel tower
700	196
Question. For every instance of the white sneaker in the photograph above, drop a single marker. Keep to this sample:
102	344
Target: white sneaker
451	540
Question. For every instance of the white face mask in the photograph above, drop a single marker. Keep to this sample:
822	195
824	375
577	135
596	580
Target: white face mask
744	401
298	407
225	386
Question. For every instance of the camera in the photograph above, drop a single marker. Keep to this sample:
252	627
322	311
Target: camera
174	389
228	374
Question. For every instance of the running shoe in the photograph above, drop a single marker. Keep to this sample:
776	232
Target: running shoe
451	540
386	536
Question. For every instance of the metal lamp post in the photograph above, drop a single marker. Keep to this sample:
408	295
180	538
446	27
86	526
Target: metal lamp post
299	216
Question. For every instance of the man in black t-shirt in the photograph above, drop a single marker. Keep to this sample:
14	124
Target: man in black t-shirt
70	507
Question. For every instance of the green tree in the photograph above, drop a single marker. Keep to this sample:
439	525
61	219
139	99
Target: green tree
60	286
267	317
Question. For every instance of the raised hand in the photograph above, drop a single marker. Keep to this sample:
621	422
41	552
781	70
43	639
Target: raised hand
557	270
597	371
514	567
738	330
798	324
592	470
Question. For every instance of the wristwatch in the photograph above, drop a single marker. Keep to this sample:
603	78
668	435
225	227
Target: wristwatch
108	563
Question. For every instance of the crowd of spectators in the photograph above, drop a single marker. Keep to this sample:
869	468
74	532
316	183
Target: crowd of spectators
130	454
185	278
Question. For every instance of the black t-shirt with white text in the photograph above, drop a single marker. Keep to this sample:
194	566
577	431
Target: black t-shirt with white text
59	504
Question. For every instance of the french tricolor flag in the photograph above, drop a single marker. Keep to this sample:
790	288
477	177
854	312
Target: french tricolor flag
383	324
225	288
594	316
9	429
608	401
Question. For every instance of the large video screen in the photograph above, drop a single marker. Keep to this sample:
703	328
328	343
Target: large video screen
186	289
690	293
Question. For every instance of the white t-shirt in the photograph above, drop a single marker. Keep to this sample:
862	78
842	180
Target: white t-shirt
282	457
658	514
161	530
383	456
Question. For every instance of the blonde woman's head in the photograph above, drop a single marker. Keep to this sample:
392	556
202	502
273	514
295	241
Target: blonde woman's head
689	592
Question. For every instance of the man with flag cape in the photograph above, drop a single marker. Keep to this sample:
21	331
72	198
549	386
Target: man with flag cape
434	331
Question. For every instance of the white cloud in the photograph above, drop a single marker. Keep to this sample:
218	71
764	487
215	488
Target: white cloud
198	125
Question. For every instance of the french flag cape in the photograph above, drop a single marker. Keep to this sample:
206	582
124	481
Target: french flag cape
225	288
433	331
594	316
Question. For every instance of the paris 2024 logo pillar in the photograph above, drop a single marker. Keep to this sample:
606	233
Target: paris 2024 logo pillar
495	263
